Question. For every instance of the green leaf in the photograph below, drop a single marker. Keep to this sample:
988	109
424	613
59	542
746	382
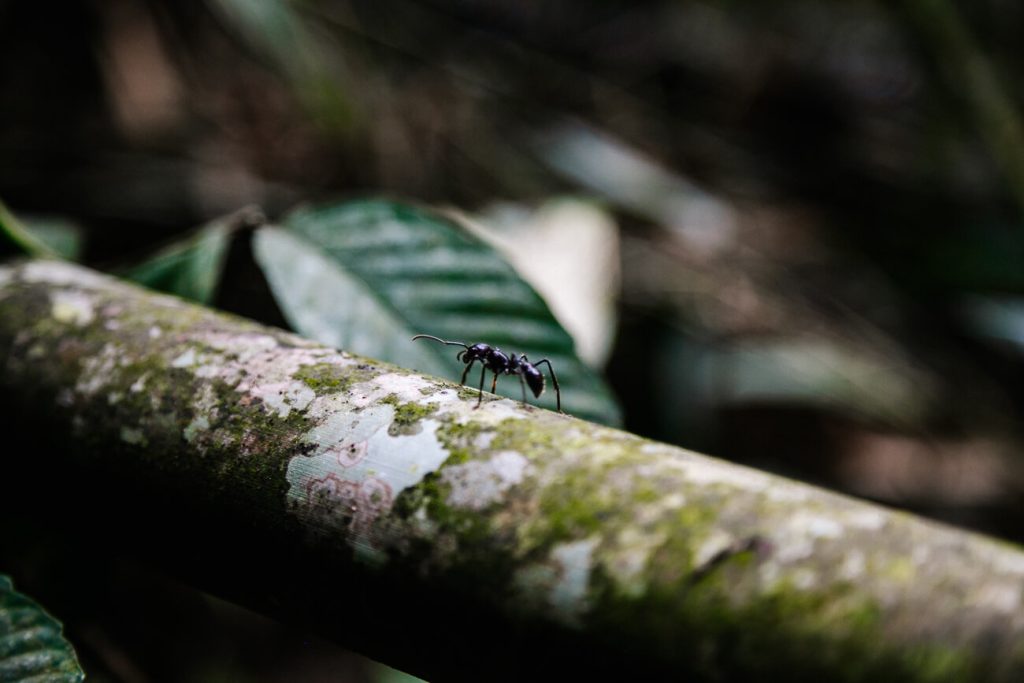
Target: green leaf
366	276
828	374
325	301
192	267
32	647
62	236
15	238
379	673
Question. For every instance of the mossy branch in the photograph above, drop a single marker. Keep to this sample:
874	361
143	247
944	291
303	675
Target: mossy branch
379	507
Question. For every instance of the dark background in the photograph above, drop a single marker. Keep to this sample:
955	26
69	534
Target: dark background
817	208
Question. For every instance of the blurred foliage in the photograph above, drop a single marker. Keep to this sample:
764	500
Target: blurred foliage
191	268
435	278
817	209
366	276
31	645
314	71
16	238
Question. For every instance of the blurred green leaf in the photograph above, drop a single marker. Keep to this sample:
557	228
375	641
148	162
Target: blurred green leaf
277	29
999	318
62	236
368	275
379	673
825	374
32	647
323	300
15	238
192	267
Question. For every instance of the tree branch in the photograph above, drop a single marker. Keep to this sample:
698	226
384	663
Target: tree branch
378	506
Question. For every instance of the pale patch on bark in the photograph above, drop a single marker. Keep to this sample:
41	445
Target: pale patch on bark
569	594
475	485
72	307
98	371
67	274
560	584
132	436
853	565
283	397
1001	597
356	473
628	560
195	427
708	472
716	542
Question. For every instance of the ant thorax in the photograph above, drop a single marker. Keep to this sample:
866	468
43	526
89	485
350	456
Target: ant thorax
497	361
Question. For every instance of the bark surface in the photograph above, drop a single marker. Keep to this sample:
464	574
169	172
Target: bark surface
379	507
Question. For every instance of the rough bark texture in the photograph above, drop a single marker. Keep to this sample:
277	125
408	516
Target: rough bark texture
378	505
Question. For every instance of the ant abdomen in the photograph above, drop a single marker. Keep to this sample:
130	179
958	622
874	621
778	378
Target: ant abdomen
534	379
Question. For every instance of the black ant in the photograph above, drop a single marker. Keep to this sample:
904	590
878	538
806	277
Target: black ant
499	363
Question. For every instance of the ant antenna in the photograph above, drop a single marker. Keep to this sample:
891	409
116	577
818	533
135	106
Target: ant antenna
438	339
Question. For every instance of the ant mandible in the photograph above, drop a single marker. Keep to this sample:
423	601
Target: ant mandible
499	363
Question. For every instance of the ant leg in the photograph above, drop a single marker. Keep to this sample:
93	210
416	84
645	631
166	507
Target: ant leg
522	385
466	371
494	383
554	380
483	371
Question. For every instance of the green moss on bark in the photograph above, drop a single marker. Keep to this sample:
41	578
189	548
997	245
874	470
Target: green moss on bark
408	415
699	568
330	378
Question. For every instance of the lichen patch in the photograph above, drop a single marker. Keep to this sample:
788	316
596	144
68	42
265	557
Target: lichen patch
355	473
865	518
1002	597
61	273
853	566
98	370
629	557
702	471
72	307
559	586
198	425
569	593
186	359
283	397
139	384
715	543
400	387
259	369
476	485
241	348
133	436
